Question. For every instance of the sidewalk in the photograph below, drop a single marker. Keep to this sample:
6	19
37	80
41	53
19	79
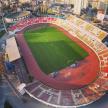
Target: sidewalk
3	38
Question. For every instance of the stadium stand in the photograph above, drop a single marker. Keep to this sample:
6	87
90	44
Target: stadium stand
92	37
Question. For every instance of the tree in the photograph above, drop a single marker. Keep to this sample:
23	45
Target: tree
7	105
95	10
31	78
0	78
72	6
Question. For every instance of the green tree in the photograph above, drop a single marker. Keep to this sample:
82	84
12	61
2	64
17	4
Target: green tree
7	105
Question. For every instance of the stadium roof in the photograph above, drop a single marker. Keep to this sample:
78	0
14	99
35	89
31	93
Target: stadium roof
12	49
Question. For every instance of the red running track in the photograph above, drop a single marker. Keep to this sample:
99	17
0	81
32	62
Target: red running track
68	78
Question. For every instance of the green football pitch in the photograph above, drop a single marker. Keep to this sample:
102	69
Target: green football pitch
52	49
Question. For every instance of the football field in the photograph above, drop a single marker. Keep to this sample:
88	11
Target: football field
52	49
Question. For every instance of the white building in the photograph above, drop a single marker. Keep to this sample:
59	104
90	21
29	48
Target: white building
78	4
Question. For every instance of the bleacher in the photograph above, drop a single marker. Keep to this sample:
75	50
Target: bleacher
67	98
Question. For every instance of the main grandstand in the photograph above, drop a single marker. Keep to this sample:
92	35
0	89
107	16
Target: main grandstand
72	86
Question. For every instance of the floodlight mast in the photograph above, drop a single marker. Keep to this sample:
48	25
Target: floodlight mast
106	6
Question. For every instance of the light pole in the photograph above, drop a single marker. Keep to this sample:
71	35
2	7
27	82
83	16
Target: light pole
106	6
1	8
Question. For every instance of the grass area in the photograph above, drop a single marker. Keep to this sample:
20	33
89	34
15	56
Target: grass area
2	33
52	49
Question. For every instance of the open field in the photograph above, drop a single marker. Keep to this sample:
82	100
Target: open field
52	49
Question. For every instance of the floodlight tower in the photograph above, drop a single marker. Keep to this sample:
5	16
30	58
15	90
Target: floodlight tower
33	3
106	6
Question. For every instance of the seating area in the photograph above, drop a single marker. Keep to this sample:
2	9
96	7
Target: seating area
91	29
18	16
21	70
56	98
92	37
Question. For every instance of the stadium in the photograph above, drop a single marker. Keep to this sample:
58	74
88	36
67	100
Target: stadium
67	59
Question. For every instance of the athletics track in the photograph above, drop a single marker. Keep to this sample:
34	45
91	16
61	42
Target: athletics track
69	78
